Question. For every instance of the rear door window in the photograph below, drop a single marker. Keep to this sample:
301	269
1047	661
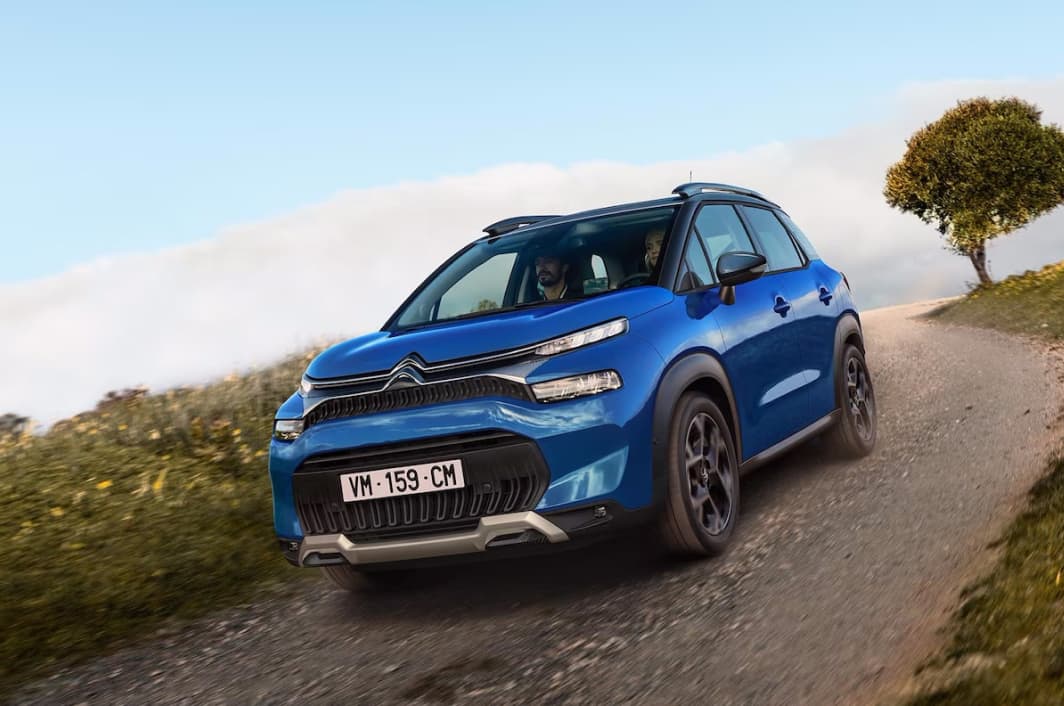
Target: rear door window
803	241
778	247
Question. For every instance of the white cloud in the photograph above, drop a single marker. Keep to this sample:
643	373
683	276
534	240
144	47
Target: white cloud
259	291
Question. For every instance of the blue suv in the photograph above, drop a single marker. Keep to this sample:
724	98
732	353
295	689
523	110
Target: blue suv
563	377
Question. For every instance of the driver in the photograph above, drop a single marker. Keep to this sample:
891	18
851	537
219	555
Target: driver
551	274
652	242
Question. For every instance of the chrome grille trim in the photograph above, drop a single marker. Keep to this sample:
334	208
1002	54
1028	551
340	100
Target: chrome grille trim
394	398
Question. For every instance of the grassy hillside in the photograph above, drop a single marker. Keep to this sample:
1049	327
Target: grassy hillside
1007	644
146	509
1032	303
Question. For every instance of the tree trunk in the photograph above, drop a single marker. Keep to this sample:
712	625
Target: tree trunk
978	257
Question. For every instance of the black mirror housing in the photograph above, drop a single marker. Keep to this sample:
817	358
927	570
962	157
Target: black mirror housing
737	267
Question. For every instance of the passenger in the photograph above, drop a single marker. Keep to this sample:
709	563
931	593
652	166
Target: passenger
652	242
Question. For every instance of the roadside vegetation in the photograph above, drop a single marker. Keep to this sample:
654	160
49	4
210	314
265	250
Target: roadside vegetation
1031	303
150	508
1007	638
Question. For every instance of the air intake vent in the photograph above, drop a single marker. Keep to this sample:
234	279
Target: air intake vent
504	473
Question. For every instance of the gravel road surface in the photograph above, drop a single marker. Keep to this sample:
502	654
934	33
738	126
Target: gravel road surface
838	578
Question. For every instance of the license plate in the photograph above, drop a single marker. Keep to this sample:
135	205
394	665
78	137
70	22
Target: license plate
404	480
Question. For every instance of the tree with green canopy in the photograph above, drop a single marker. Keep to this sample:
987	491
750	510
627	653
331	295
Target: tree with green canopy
982	170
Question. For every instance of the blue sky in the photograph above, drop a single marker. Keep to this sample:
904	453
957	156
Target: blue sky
131	127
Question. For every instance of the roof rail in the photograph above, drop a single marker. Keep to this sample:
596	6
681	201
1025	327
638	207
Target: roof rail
507	225
697	187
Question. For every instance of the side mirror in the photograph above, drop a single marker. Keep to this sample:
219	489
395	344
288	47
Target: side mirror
735	268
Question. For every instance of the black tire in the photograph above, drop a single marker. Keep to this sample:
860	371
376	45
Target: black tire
349	578
855	433
702	497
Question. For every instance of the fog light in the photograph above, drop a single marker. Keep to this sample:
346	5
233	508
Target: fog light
287	429
576	386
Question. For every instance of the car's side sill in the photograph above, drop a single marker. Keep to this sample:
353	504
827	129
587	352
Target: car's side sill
791	441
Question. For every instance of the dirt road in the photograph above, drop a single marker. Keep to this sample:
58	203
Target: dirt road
839	575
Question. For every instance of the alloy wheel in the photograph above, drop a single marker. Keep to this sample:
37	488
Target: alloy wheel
861	398
711	474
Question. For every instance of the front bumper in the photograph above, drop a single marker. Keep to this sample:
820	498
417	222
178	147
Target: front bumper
594	450
492	531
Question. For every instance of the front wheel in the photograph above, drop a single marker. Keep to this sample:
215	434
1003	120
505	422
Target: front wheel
855	433
702	500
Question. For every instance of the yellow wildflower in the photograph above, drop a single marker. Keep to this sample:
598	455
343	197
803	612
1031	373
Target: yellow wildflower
104	484
157	486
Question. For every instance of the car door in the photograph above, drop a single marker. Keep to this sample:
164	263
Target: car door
760	336
823	315
812	302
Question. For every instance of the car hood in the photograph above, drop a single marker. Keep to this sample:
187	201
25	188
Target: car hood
381	350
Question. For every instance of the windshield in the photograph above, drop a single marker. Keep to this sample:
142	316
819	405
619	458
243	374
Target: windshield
544	266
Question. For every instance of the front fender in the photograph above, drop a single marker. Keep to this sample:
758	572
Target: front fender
694	368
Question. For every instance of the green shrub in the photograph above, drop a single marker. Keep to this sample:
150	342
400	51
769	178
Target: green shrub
150	507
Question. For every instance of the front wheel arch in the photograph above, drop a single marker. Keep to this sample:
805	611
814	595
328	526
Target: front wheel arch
699	371
702	483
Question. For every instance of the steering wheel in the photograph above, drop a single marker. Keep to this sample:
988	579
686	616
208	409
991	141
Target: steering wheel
633	280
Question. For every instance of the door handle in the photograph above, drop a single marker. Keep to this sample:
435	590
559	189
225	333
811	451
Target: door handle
825	295
782	306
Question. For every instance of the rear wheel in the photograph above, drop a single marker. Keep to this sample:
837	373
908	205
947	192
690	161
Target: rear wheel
349	578
702	499
855	433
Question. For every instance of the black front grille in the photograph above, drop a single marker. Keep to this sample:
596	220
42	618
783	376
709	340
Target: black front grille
417	396
503	473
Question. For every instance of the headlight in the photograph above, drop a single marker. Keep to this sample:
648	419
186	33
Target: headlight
287	429
576	386
305	386
583	338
